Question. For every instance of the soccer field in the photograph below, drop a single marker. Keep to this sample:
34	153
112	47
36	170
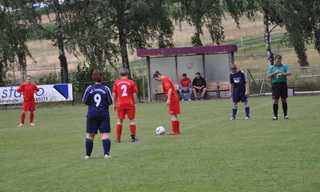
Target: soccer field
212	153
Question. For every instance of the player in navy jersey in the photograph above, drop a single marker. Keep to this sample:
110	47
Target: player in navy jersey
239	91
98	98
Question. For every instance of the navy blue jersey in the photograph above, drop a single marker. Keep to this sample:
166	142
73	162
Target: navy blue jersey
98	98
238	80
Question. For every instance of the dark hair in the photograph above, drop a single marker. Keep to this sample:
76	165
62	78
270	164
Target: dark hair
278	57
97	76
234	67
124	72
156	74
198	73
184	75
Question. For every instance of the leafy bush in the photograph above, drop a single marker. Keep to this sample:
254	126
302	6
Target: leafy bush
51	78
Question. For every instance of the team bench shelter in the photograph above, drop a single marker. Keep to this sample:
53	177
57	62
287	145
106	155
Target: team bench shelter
213	62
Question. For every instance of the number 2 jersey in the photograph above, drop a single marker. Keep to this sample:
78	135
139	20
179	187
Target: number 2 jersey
98	98
125	88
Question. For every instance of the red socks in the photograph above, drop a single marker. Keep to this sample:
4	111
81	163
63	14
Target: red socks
119	131
133	129
175	127
22	117
31	117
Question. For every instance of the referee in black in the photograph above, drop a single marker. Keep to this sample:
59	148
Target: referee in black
278	74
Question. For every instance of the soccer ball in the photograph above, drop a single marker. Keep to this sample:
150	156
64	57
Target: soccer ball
160	130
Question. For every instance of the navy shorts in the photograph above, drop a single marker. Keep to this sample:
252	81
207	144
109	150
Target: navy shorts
98	123
279	90
237	98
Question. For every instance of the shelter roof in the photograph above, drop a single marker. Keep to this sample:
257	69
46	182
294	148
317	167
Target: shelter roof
186	50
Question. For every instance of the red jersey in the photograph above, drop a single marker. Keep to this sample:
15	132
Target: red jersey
167	84
125	88
28	91
185	82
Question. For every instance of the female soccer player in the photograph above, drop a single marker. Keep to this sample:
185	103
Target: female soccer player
98	98
124	95
173	101
28	89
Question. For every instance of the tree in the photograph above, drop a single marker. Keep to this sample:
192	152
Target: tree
13	48
200	13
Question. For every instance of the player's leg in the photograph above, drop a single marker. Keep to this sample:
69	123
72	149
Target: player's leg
31	118
92	130
203	93
181	92
106	143
22	118
174	110
275	96
189	93
234	110
121	116
131	115
195	93
244	99
284	96
104	129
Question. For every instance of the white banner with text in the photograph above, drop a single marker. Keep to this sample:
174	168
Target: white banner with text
47	93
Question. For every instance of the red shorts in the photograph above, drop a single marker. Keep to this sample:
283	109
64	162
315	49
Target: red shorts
174	108
130	113
29	106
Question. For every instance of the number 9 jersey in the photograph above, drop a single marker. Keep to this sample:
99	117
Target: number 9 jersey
98	98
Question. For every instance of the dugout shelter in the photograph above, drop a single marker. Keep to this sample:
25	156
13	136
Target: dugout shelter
213	62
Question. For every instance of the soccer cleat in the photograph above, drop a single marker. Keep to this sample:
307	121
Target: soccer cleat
189	100
20	125
286	118
274	118
232	118
247	118
106	156
134	140
87	157
32	124
197	98
201	98
182	99
118	141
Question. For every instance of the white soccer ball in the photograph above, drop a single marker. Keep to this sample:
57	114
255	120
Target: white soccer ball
160	130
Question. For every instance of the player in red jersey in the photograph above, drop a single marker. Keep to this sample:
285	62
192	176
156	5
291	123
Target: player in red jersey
28	89
173	101
124	94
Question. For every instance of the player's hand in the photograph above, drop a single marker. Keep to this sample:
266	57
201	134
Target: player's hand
246	93
278	75
277	71
230	94
168	102
115	107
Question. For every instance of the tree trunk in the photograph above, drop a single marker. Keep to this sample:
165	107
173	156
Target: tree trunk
124	51
62	56
1	75
267	38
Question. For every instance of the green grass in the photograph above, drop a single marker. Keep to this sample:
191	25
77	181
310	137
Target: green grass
212	153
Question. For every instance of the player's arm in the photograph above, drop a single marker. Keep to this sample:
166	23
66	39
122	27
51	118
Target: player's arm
271	74
21	88
36	88
135	98
169	95
230	89
115	101
247	88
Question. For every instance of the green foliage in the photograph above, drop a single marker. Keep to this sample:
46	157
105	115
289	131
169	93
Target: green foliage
212	153
40	34
51	78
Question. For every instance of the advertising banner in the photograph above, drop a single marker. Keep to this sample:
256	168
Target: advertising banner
47	93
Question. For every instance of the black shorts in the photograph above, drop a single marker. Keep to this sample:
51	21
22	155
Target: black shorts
199	90
279	90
